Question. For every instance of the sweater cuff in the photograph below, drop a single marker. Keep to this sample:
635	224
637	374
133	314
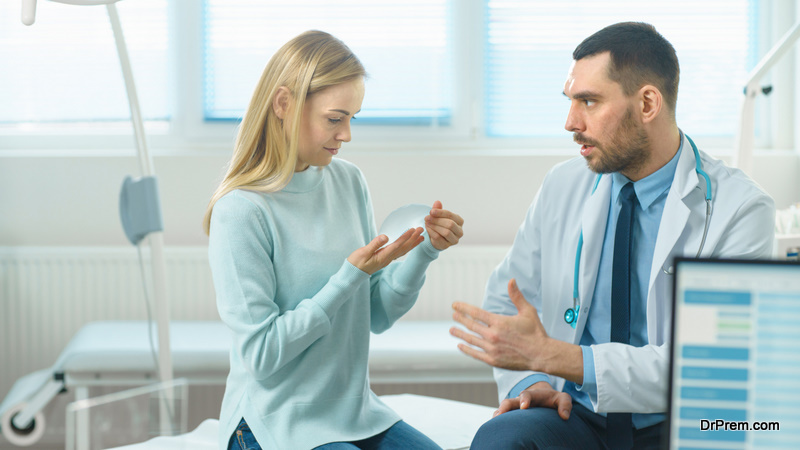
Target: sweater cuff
428	247
339	288
425	250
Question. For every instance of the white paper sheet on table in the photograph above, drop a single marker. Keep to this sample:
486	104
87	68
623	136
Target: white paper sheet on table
449	423
204	437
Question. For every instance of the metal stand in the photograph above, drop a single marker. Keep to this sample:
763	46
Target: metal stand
743	158
156	238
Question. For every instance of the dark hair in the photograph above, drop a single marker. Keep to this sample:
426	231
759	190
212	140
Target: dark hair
639	56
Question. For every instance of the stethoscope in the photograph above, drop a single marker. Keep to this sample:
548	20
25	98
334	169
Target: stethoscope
571	314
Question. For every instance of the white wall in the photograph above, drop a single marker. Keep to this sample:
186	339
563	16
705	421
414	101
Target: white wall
46	199
50	200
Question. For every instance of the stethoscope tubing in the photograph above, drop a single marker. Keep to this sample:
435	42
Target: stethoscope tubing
571	314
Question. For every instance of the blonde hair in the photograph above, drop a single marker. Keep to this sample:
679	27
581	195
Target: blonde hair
264	157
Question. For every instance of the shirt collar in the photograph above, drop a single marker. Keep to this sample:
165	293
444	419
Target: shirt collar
649	188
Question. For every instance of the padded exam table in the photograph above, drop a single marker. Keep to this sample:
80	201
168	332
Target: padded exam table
448	423
118	353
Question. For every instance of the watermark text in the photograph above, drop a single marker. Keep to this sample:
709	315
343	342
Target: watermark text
730	425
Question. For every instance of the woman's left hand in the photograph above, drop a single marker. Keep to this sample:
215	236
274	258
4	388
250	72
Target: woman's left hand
443	226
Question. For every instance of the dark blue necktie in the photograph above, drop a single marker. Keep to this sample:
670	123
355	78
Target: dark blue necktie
619	426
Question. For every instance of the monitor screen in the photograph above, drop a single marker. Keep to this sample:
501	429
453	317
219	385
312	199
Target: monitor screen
735	363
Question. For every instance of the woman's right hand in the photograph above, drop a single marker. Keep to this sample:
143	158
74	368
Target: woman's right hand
372	257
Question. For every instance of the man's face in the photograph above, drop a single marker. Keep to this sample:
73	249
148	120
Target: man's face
603	120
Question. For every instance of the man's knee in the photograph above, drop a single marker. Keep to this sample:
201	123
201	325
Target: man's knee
534	428
516	429
499	432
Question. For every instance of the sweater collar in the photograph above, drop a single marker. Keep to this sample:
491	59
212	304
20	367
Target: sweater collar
306	180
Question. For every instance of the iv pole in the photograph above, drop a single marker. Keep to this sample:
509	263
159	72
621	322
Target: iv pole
156	238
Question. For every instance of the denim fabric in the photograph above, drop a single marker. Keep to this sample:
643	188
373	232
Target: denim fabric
243	439
543	428
399	437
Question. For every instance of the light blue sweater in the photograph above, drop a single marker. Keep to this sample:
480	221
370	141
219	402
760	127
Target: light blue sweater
299	313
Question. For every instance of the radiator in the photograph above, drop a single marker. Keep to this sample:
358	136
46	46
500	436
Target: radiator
48	293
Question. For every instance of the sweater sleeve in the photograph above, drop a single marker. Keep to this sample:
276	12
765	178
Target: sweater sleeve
395	288
240	253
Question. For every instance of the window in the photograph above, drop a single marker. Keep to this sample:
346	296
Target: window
452	73
65	69
403	45
530	44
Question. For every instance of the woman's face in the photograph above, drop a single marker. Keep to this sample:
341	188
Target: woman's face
325	123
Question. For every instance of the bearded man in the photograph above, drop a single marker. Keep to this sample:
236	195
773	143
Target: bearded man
576	318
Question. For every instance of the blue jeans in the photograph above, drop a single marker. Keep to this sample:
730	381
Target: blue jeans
542	428
399	436
243	439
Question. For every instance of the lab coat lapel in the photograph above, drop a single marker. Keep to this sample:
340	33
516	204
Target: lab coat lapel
593	222
676	213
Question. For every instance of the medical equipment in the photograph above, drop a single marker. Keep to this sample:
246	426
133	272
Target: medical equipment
571	314
403	218
451	424
126	417
117	353
743	157
130	202
734	353
24	420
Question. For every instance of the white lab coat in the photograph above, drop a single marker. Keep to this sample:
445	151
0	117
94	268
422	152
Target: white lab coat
542	259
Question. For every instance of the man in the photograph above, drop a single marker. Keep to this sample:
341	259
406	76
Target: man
600	381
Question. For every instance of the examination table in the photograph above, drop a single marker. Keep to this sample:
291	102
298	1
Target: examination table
118	353
450	424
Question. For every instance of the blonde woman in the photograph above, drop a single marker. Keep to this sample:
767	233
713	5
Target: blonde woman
300	275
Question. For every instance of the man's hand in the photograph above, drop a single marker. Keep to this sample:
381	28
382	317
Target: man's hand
517	342
542	395
500	336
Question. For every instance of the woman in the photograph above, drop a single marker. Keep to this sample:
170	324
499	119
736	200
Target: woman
281	226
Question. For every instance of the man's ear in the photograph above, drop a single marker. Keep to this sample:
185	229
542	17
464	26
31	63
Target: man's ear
651	102
281	101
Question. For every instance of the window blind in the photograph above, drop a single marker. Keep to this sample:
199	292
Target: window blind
530	44
404	46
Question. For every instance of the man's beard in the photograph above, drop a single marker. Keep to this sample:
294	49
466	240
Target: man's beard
627	151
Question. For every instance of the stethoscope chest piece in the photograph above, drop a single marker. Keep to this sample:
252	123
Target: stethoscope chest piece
571	316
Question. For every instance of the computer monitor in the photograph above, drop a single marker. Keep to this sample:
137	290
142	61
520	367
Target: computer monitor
735	356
